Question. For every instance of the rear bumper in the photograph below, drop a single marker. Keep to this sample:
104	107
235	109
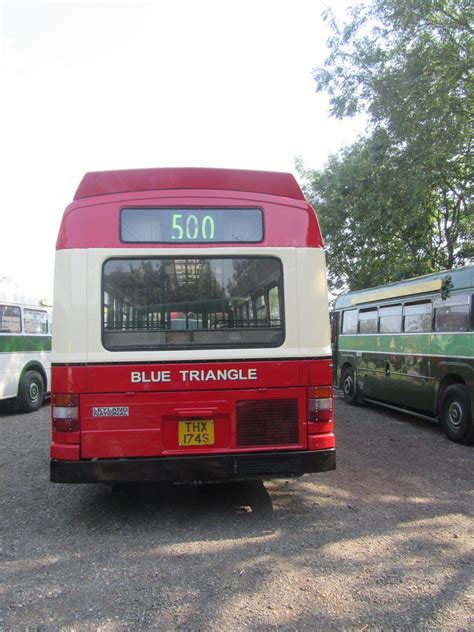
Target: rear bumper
194	469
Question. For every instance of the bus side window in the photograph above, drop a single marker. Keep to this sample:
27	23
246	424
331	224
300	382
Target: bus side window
349	321
417	317
35	321
390	319
10	319
368	321
452	314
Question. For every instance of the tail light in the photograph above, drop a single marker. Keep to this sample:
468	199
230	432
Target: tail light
320	399
65	412
320	418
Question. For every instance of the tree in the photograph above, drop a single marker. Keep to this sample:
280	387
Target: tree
408	65
373	227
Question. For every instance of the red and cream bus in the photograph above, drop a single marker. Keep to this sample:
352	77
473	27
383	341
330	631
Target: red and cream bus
191	339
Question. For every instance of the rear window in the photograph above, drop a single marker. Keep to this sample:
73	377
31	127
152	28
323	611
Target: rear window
183	303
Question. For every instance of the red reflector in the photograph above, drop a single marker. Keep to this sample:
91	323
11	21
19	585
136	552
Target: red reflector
314	417
66	425
324	415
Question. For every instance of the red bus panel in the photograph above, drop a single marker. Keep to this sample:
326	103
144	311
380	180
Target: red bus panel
150	427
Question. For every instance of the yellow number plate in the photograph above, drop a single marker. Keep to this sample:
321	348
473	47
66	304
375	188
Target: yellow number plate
196	432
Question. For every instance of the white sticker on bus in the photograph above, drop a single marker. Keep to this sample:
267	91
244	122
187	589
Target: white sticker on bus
110	411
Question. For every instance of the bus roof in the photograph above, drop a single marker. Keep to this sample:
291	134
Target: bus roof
93	219
460	278
268	182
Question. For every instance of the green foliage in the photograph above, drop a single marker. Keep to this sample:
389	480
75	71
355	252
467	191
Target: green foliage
446	287
399	202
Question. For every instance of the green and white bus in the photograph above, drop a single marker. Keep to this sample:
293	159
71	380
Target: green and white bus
410	346
25	350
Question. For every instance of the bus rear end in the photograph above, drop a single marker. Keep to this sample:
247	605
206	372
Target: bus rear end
191	339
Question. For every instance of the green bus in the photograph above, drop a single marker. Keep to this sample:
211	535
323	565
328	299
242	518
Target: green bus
410	346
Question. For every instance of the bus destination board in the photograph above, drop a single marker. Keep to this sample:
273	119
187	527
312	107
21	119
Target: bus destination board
191	225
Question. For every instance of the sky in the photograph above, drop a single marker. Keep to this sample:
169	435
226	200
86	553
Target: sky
90	86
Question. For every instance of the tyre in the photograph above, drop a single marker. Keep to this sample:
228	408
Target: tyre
31	392
348	386
455	414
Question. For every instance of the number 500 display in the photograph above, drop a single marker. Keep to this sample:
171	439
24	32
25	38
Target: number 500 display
191	227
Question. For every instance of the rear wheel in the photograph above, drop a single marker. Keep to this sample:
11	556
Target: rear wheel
455	414
31	392
348	386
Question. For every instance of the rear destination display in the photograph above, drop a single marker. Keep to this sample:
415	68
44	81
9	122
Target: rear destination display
198	225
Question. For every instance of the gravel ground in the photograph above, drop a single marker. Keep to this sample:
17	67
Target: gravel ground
384	542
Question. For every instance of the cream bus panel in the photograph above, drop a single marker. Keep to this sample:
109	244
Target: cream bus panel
70	315
78	317
313	308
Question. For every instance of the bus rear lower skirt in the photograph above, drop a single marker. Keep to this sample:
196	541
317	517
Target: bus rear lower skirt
192	469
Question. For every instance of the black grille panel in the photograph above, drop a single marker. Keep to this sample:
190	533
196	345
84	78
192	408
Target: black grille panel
267	422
